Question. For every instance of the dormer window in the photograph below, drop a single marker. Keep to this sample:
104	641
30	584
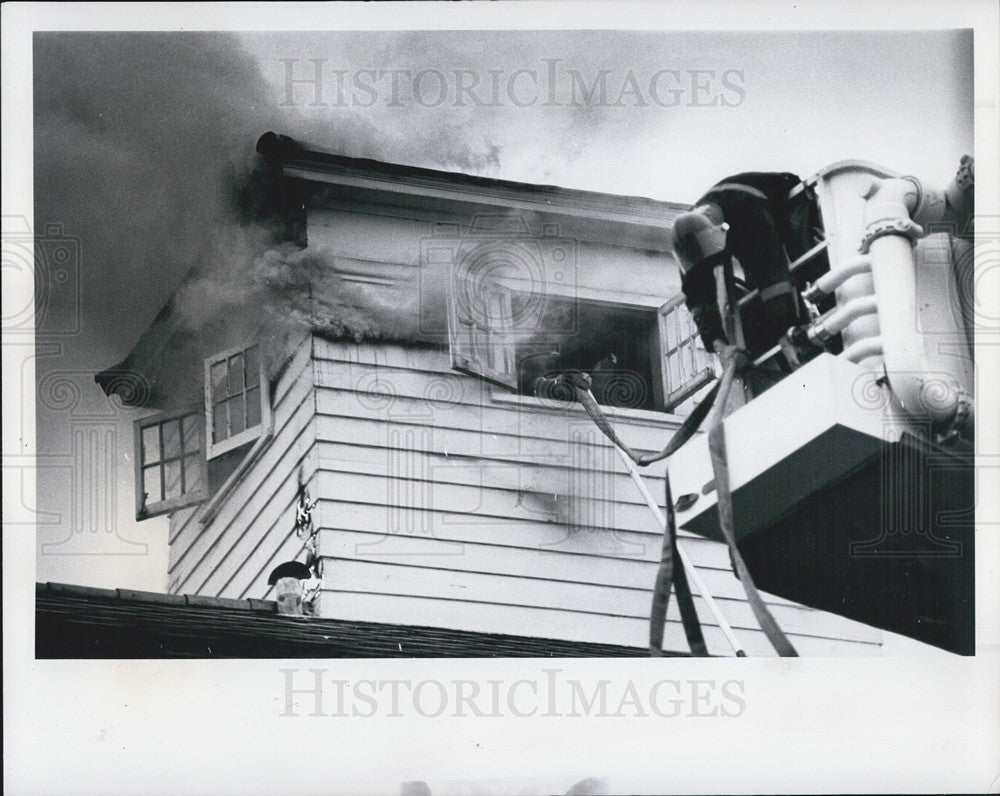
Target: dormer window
169	463
237	406
523	308
658	362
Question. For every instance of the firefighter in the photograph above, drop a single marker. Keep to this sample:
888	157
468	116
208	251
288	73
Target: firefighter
753	206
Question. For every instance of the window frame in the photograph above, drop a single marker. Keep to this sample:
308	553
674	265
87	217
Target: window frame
143	510
674	396
215	449
667	397
463	330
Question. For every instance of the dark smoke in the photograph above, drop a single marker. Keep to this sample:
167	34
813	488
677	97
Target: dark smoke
144	149
133	133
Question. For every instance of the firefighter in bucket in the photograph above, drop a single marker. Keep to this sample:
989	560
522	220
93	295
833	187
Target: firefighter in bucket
745	216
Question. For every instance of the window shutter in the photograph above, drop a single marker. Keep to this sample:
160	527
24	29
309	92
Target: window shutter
687	367
479	333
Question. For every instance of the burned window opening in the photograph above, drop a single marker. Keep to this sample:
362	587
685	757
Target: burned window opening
615	344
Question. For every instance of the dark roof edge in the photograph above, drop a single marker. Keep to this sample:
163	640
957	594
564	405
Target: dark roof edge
281	149
269	607
136	596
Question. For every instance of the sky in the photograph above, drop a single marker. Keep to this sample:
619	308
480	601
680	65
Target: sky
137	138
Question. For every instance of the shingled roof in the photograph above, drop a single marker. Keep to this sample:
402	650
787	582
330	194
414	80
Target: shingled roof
83	622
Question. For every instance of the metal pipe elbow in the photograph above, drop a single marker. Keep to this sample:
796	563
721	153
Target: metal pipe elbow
935	396
887	211
831	280
889	238
834	322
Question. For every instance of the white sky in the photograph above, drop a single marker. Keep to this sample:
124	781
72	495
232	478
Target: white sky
900	99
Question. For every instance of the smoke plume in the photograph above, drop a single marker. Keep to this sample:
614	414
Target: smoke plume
144	143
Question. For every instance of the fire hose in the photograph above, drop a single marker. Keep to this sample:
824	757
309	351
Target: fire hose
668	575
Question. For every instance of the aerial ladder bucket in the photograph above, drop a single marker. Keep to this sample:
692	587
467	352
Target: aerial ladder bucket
852	476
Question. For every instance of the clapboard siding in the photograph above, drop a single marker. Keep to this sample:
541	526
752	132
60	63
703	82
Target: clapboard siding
493	441
348	514
545	430
493	491
401	552
224	554
442	502
549	623
386	238
544	479
350	576
179	520
442	552
254	508
480	498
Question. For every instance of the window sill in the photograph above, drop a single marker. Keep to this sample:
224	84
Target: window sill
216	449
646	417
170	505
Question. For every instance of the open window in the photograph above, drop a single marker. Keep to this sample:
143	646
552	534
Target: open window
237	401
169	463
685	364
479	331
638	357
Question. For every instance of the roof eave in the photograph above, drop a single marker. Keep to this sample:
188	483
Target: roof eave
297	162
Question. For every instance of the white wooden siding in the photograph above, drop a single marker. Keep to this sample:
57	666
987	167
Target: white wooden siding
439	505
385	244
226	556
549	623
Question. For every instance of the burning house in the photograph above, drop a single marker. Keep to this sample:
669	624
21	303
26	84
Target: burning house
366	392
